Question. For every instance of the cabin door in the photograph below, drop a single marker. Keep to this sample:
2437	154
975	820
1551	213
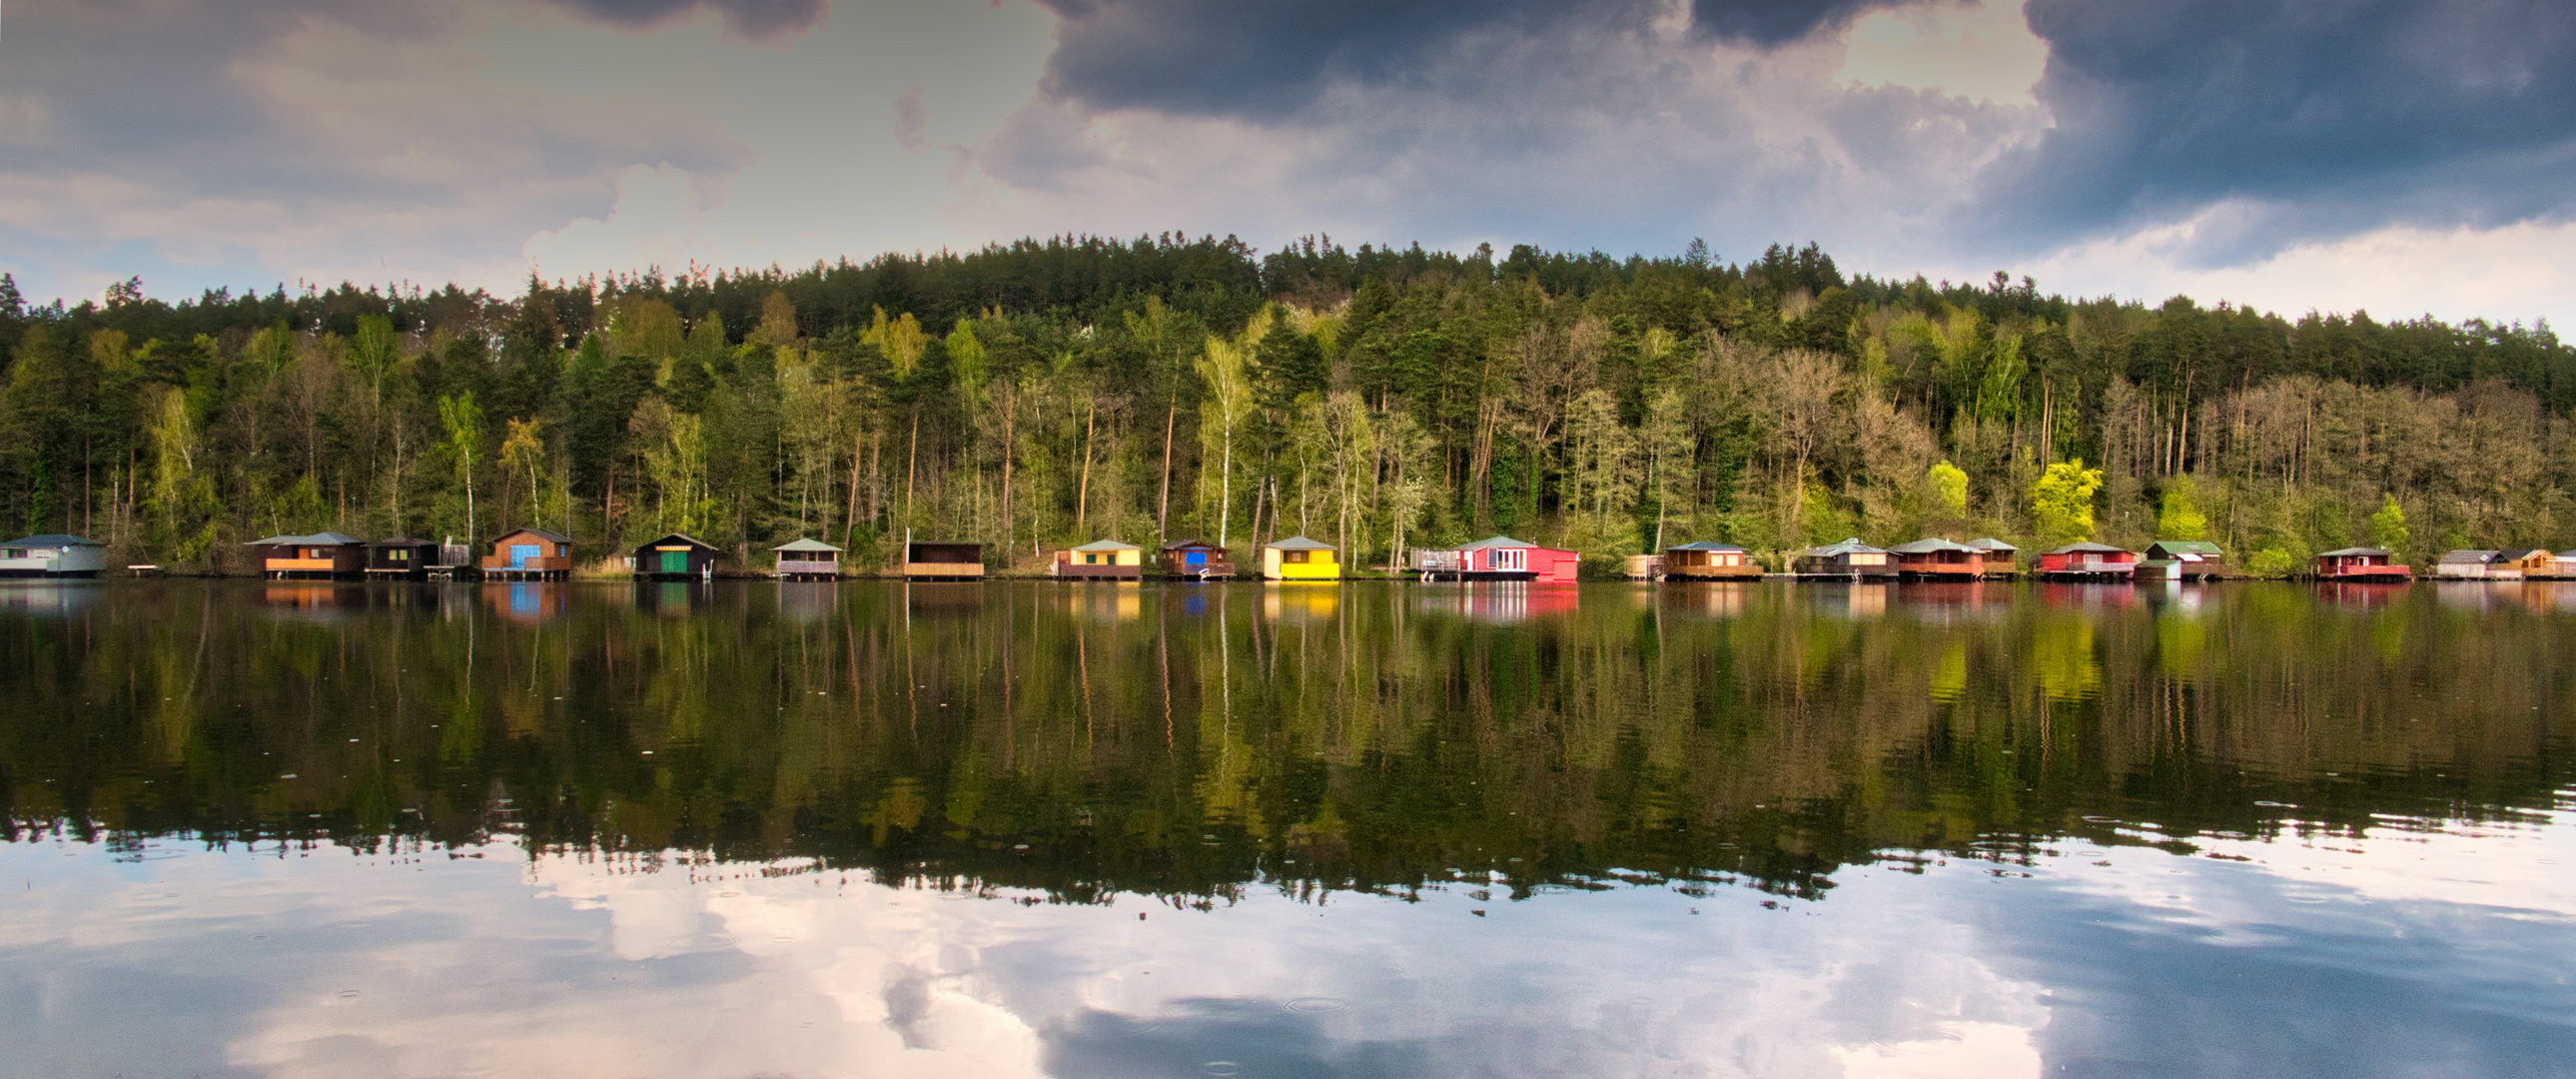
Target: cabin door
675	561
520	553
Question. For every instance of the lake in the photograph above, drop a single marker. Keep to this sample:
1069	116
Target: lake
1028	828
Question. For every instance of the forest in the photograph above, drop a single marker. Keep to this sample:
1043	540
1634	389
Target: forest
1045	393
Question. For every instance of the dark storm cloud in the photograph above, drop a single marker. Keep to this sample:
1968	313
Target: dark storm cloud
2357	113
1266	58
755	19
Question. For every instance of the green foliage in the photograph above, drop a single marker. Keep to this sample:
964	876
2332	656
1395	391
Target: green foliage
2388	525
1949	488
2062	501
2181	518
1047	392
2271	562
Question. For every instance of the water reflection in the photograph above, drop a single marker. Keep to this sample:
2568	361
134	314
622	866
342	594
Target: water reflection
1362	829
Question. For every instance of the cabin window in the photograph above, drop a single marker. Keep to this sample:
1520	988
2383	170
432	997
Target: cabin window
1292	556
1510	559
397	555
1195	558
1091	560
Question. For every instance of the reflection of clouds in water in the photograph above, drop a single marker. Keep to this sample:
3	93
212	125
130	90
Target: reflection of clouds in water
338	964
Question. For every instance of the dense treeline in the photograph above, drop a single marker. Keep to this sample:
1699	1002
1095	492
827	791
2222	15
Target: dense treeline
1050	392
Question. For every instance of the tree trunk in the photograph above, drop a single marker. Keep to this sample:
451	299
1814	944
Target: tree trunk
1163	509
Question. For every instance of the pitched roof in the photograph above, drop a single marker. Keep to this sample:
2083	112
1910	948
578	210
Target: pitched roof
1299	543
1703	545
2348	552
53	539
537	532
1929	545
1848	545
2516	554
1180	545
1991	544
2203	548
2089	547
318	539
2465	556
683	537
804	544
1108	545
1492	542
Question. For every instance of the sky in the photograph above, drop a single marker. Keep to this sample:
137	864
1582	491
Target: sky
2406	157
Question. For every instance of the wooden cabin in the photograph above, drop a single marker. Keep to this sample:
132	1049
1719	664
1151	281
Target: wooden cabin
321	556
2087	562
2358	564
2464	565
1642	567
925	560
1933	559
1100	560
1850	558
2182	560
1999	556
2522	564
400	559
1703	560
1299	559
52	555
1194	560
530	554
803	559
676	557
1500	558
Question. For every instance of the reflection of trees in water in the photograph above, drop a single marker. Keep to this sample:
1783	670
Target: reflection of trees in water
1186	741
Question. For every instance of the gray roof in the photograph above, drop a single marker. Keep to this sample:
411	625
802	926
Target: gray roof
2348	552
1108	545
802	544
318	539
2516	554
1849	545
2089	547
2203	548
1703	545
2464	556
1930	546
1300	543
1177	545
1991	544
1492	542
53	539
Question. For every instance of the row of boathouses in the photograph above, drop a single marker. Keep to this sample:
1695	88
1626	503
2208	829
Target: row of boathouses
531	554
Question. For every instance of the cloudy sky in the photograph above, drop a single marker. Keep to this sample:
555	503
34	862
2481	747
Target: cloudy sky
2404	156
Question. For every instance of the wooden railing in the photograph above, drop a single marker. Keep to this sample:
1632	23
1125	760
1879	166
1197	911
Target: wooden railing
800	567
529	565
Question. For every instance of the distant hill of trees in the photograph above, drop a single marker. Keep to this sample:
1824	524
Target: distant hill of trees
1052	391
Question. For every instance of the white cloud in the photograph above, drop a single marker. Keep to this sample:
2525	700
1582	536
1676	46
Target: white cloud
1983	51
2517	272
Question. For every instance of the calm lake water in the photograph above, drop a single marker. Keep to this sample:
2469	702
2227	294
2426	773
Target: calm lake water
1021	829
